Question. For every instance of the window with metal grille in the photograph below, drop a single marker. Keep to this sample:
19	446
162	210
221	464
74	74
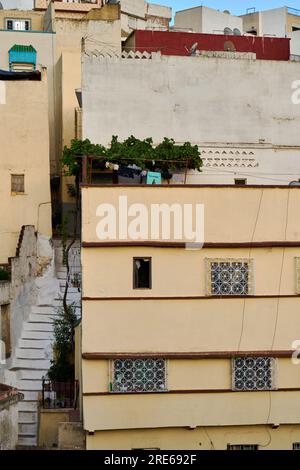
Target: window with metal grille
17	184
18	24
138	375
229	277
242	447
142	273
253	373
296	446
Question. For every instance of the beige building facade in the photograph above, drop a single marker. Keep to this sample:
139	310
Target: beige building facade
25	170
197	354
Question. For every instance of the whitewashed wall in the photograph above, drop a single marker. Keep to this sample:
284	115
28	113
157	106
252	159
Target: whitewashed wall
239	112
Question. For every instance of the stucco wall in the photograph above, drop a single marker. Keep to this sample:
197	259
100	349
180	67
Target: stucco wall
44	43
209	438
19	4
24	150
227	105
206	20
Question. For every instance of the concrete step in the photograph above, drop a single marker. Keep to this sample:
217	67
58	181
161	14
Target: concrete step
28	417
25	440
36	318
30	353
33	343
30	364
27	374
28	429
30	395
29	385
32	326
39	335
43	310
28	406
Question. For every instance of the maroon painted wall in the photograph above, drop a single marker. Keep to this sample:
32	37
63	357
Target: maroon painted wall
173	43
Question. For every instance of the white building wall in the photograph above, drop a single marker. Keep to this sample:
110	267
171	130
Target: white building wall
273	22
239	112
17	4
295	42
206	20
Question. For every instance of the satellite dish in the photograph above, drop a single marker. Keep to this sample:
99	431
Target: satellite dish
237	32
228	32
193	49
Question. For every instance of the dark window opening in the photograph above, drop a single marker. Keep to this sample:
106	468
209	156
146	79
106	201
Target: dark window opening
142	273
295	28
9	24
17	184
240	181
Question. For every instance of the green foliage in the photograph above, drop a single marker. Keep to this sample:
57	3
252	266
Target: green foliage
62	367
167	155
4	275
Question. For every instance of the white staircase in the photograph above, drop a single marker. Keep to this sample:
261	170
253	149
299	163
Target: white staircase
31	360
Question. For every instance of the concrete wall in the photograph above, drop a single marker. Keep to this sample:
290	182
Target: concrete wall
49	421
9	398
273	22
18	4
216	103
35	18
177	318
201	438
206	20
24	150
295	42
45	45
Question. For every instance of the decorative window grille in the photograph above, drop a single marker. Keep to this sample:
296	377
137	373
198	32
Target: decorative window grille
242	447
296	446
229	277
253	373
17	184
297	268
138	375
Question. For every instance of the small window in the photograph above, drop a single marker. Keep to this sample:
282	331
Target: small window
296	446
18	24
242	447
138	375
142	273
240	181
229	276
295	28
17	184
253	373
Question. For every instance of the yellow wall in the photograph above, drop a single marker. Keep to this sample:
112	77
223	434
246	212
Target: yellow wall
24	150
35	17
169	264
201	389
48	426
209	438
292	20
232	214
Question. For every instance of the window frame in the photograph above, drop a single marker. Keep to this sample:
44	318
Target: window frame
14	20
129	392
273	367
133	272
208	272
13	192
